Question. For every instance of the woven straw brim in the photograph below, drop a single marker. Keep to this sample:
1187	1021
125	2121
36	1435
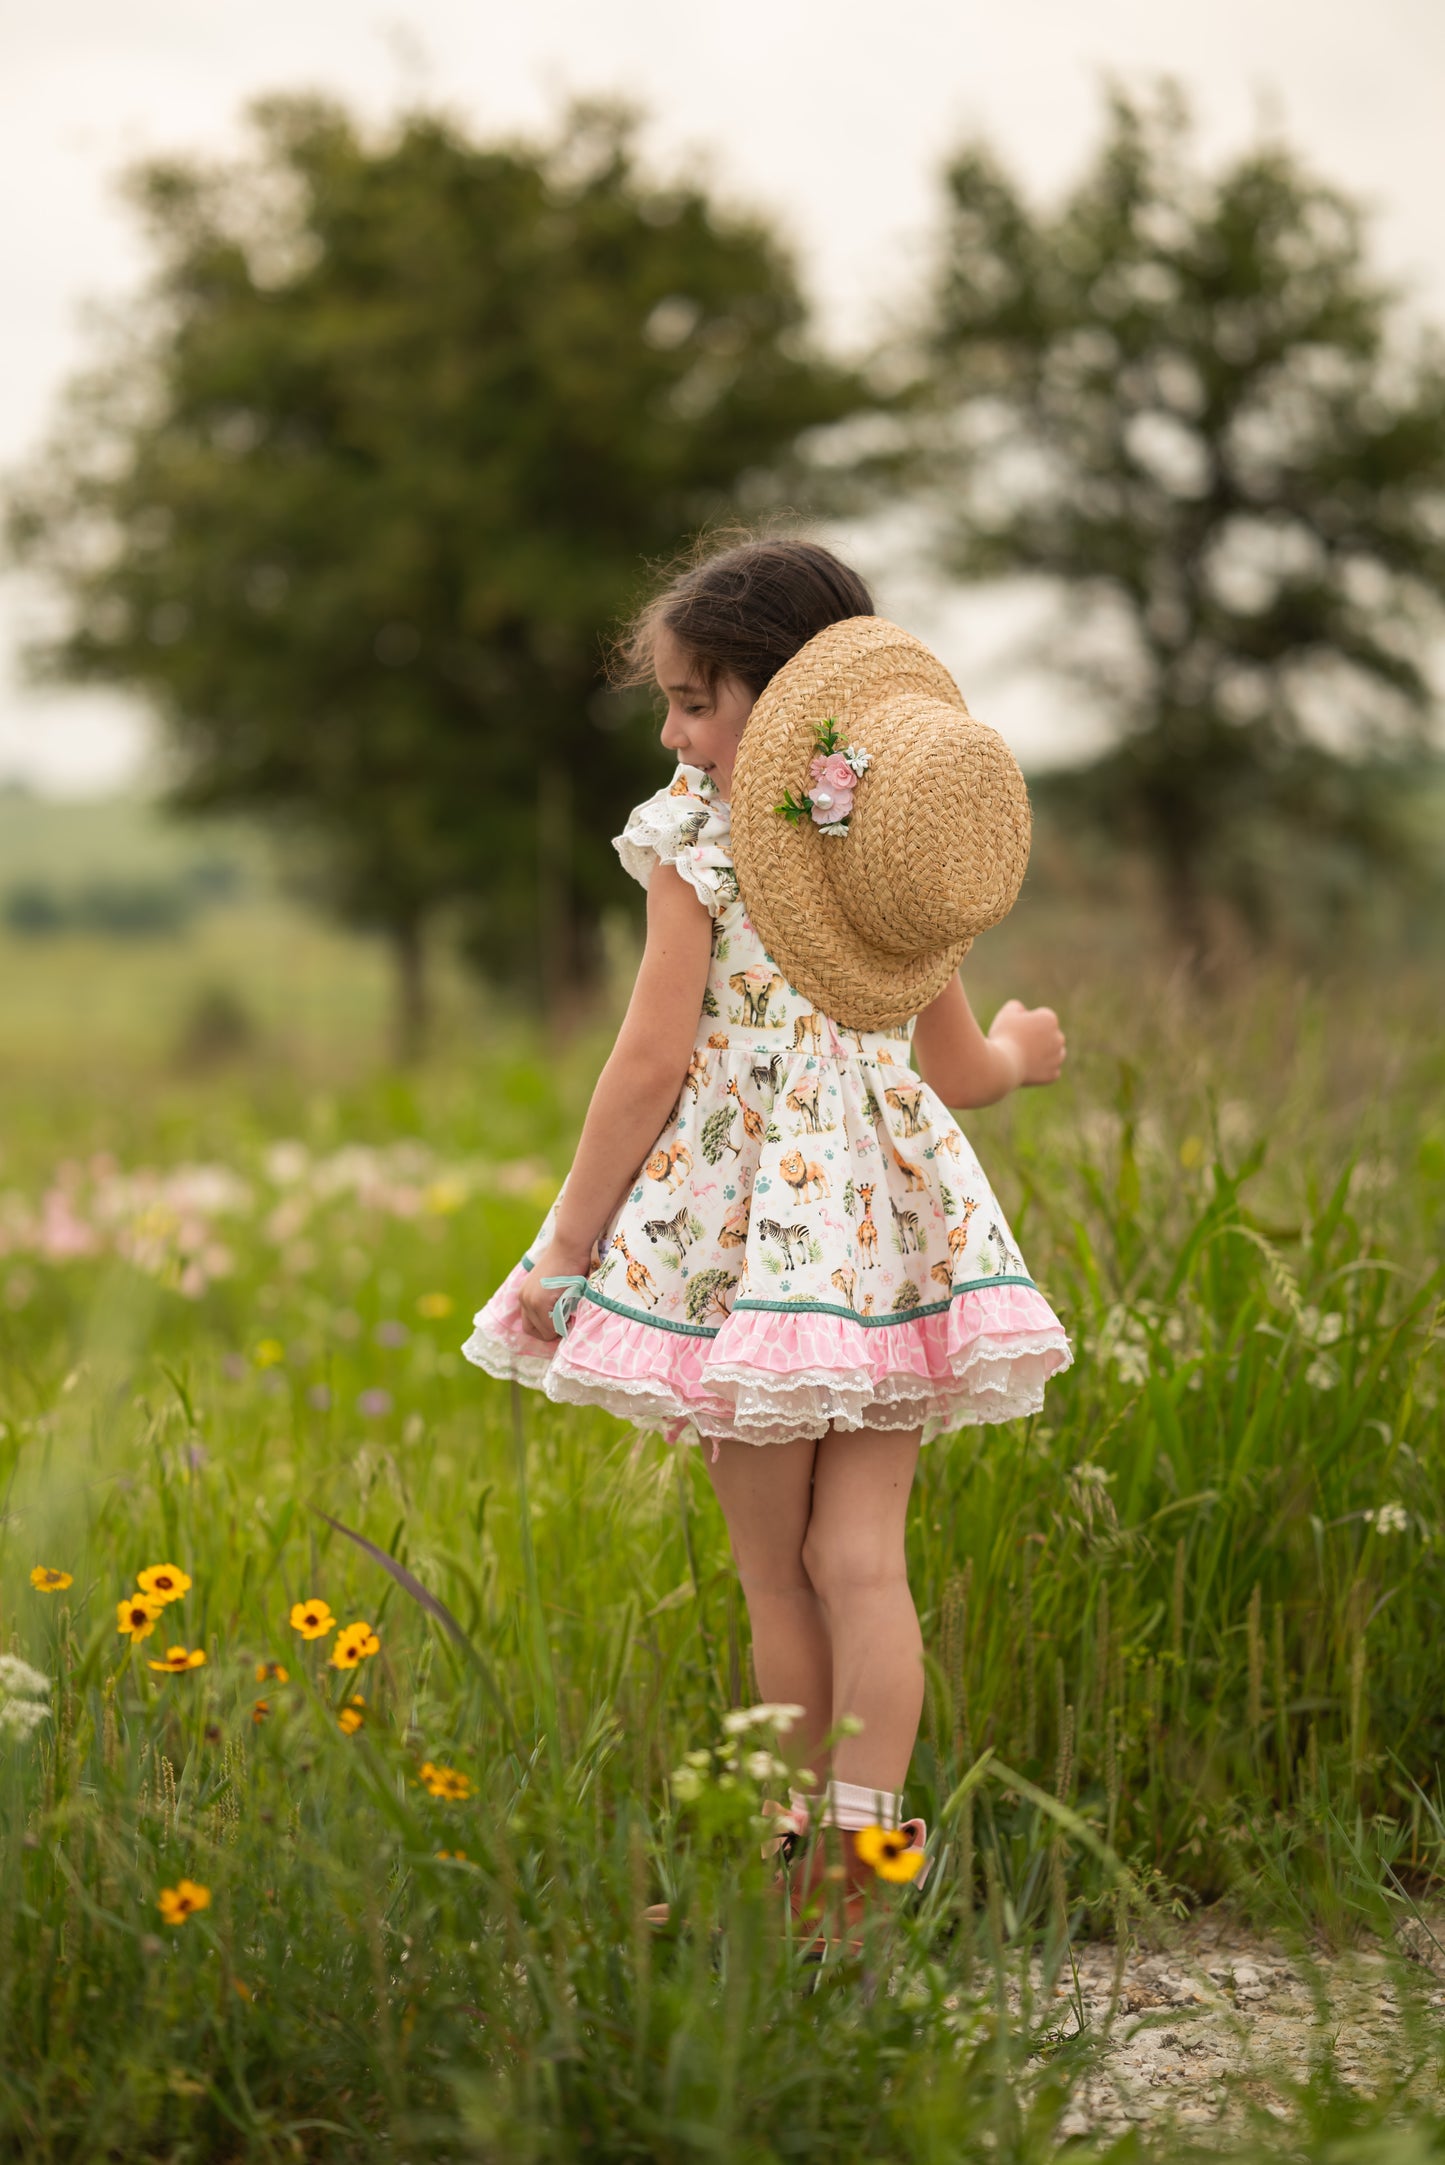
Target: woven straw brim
871	925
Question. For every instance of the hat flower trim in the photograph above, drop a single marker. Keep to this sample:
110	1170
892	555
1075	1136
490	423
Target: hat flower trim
834	772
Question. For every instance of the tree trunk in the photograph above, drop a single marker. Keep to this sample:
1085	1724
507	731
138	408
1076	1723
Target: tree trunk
412	1014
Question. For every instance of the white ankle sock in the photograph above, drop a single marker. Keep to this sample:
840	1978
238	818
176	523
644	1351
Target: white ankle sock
854	1804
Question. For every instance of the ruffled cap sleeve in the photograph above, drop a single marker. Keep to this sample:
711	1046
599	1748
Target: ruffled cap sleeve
688	825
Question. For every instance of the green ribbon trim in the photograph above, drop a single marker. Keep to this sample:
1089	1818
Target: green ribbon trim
814	1308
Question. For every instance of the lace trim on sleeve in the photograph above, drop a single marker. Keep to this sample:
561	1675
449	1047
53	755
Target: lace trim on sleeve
689	826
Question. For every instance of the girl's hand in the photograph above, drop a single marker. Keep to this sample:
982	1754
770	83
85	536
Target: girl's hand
536	1300
1033	1036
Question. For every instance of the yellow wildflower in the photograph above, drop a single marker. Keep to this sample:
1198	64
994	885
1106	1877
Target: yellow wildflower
163	1582
260	1710
271	1672
48	1581
352	1715
177	1659
457	1856
136	1615
447	1782
270	1353
435	1306
183	1900
890	1852
354	1643
313	1619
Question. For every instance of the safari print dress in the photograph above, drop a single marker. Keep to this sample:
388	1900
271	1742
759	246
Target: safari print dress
811	1240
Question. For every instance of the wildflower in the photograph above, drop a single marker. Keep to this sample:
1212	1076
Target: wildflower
183	1900
23	1692
136	1615
19	1680
48	1581
270	1353
373	1404
687	1784
320	1397
354	1644
22	1717
352	1715
261	1710
457	1856
163	1582
391	1333
1322	1373
313	1619
763	1766
268	1672
435	1306
1391	1518
889	1852
447	1782
177	1659
769	1713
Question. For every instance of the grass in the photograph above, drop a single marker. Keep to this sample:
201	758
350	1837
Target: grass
1183	1632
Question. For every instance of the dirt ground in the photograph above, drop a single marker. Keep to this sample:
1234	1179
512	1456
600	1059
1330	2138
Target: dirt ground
1226	2013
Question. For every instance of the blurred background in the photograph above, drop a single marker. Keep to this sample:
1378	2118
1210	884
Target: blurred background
360	376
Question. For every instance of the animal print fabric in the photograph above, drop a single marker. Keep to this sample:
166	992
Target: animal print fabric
811	1240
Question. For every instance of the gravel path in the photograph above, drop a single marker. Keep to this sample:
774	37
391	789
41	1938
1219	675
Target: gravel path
1225	2012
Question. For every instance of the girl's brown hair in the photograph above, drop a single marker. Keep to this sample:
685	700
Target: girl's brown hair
743	610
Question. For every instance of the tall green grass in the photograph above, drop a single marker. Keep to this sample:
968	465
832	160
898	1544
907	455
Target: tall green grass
1183	1631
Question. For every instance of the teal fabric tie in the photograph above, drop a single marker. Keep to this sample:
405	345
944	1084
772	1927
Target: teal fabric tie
565	1305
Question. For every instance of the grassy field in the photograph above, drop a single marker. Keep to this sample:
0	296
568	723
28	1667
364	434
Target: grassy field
1184	1632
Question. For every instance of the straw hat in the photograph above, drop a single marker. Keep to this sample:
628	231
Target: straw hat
871	925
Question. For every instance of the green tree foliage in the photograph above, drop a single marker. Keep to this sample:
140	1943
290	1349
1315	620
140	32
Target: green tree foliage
356	504
1179	402
707	1294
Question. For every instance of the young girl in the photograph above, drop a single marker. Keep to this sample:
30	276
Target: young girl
774	1237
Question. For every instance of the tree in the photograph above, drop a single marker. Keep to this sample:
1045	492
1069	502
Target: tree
355	506
1178	402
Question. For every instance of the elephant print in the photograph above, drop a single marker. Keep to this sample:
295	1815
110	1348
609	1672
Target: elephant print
755	987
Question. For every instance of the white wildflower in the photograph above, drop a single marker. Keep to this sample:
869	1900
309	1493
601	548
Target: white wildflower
1391	1518
1321	1330
701	1759
1132	1362
778	1715
1322	1373
764	1766
686	1784
19	1681
22	1717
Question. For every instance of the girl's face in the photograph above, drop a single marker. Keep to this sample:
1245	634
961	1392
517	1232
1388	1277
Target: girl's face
703	728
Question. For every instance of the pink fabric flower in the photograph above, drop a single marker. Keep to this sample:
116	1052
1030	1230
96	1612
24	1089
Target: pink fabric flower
839	804
833	770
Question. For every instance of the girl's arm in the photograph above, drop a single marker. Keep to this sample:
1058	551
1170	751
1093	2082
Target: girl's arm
635	1091
1024	1045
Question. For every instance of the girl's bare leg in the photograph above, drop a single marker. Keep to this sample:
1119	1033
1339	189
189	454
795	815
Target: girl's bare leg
766	1497
853	1555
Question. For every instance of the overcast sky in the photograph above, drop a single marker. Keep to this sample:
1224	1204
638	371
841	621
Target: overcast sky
833	118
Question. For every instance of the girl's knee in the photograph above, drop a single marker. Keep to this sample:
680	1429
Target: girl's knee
776	1585
850	1559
